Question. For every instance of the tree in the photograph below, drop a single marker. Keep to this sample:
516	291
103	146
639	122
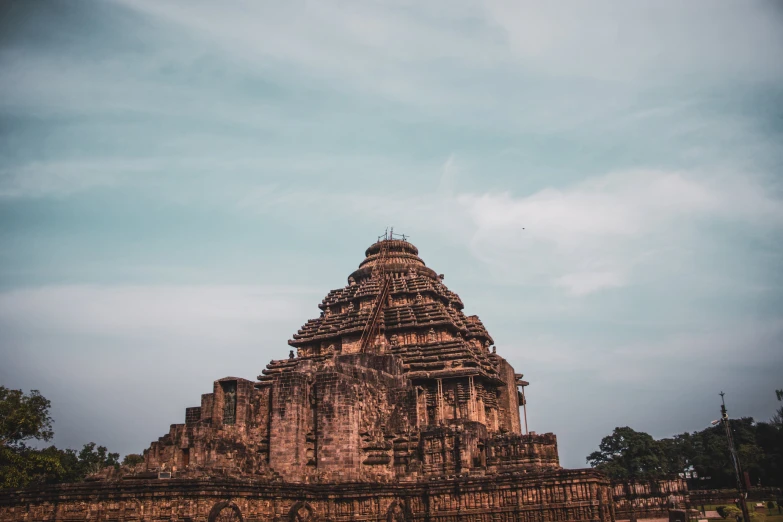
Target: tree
132	459
25	466
92	459
630	455
76	466
678	453
777	419
627	454
23	417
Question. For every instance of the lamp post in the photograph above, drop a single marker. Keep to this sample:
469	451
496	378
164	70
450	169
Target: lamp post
734	459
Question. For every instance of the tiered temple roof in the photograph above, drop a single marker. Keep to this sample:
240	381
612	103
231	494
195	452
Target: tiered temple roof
422	320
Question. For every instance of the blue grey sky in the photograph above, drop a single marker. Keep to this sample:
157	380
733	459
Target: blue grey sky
182	182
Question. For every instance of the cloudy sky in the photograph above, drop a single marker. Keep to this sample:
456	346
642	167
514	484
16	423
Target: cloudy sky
182	182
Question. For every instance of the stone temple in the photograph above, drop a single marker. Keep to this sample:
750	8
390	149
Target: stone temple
392	405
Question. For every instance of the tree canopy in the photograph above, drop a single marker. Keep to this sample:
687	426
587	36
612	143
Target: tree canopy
25	418
778	417
628	454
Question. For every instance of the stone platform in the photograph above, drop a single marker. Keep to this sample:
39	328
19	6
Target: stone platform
562	496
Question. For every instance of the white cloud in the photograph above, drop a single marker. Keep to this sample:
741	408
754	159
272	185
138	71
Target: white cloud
58	179
587	282
597	233
388	48
605	232
202	313
649	41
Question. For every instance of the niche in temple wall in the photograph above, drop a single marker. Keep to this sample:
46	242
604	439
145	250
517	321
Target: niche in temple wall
229	402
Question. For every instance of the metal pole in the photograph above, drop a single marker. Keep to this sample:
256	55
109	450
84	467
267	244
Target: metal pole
734	459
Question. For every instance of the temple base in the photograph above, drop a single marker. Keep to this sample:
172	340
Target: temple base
561	495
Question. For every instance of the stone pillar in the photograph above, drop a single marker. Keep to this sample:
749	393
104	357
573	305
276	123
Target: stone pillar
440	401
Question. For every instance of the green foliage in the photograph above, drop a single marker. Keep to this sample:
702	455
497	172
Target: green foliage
23	417
132	459
92	460
26	466
729	512
79	465
627	454
759	447
777	419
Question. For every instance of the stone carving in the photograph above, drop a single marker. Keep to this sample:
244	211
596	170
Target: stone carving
396	513
229	403
301	512
225	512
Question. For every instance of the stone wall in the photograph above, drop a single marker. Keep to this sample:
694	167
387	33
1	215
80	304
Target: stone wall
561	496
651	499
729	496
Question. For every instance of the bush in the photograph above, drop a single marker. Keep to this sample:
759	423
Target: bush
132	459
729	512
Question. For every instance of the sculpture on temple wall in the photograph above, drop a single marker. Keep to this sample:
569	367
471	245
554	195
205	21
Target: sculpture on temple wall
229	403
301	512
396	513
